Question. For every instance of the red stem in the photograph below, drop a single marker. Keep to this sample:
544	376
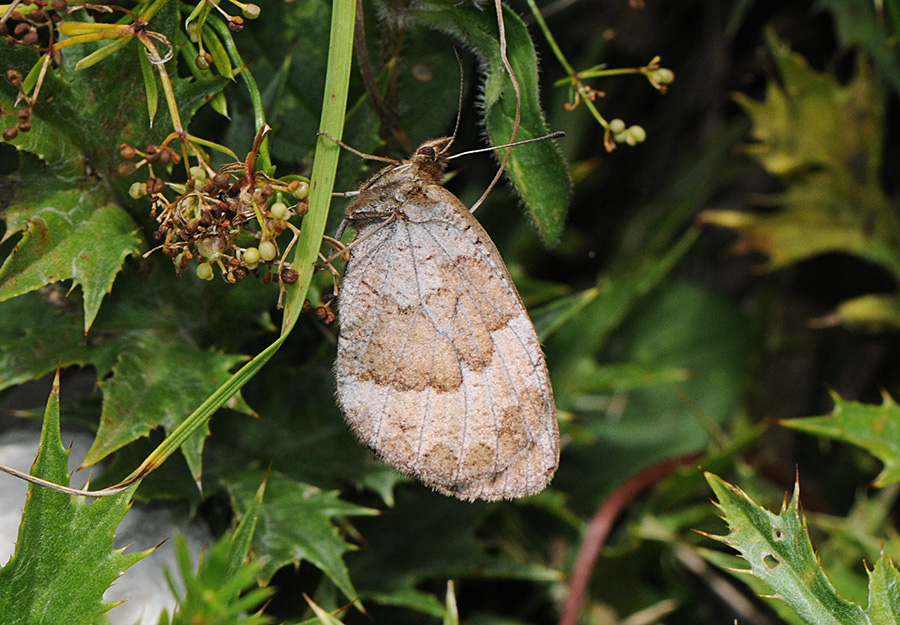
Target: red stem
602	523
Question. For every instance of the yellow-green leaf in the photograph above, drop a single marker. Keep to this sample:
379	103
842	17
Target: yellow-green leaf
874	428
823	140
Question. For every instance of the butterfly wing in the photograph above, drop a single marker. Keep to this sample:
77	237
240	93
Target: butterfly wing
439	369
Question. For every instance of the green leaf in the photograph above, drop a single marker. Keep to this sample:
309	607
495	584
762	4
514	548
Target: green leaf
37	335
778	551
157	381
51	138
874	428
216	594
64	559
862	25
101	53
224	588
69	233
83	116
217	51
537	170
149	87
884	592
824	140
152	372
296	523
681	362
875	313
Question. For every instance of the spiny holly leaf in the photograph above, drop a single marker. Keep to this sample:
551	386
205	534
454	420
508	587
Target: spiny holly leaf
37	336
158	380
83	116
224	589
884	592
536	170
51	138
64	559
69	233
874	428
296	523
779	552
824	140
151	373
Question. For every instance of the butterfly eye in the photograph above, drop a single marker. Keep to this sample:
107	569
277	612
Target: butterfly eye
428	152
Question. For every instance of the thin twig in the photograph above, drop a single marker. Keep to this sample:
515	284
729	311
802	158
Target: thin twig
498	4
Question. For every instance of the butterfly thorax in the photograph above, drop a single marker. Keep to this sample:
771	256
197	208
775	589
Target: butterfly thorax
384	195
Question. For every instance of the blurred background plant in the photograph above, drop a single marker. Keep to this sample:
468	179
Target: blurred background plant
727	257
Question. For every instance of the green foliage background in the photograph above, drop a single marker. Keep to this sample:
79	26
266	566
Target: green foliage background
738	267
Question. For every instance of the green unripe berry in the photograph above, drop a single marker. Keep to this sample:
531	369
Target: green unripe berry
198	173
267	251
212	247
137	190
617	126
193	31
301	190
251	11
251	256
637	133
205	271
664	76
279	210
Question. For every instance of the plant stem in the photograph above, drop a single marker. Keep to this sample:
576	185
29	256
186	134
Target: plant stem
321	184
259	114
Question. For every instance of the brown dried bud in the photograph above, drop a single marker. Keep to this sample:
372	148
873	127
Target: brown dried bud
289	276
278	225
21	28
324	315
10	133
302	207
25	125
240	272
30	38
192	225
236	24
14	77
59	5
38	15
23	113
155	185
126	168
165	156
127	151
307	306
267	190
221	180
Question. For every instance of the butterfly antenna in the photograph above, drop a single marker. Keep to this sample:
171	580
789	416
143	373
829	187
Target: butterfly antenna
462	83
